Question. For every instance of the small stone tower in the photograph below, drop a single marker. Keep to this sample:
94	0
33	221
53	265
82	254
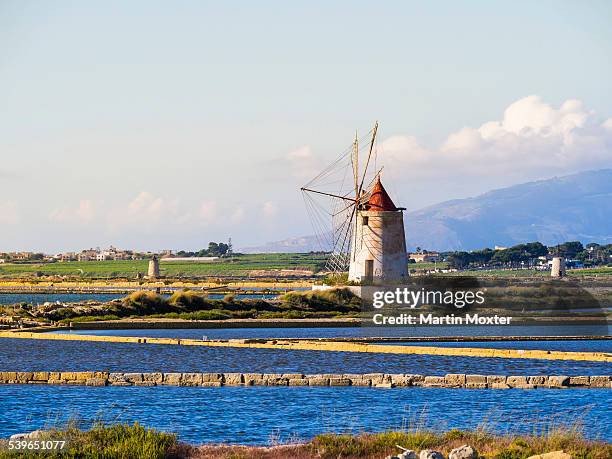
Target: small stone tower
378	246
558	267
153	267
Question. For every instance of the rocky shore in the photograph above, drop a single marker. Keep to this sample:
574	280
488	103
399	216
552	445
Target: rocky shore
463	381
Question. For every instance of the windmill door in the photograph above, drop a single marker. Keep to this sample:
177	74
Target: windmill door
369	270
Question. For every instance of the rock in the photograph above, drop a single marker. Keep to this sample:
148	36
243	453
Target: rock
552	455
112	377
475	379
212	384
401	380
375	378
498	385
218	377
600	381
434	381
232	379
292	376
171	379
463	452
455	380
430	454
476	385
133	377
35	434
339	382
579	381
514	381
558	381
191	379
384	385
40	376
152	377
537	380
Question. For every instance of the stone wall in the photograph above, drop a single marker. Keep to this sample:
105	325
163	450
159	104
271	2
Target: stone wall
101	378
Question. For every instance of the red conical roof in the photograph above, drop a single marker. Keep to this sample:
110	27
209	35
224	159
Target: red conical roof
379	199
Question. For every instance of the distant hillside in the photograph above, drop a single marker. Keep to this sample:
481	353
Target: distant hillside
574	207
292	245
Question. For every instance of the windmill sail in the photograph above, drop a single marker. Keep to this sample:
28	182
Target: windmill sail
333	197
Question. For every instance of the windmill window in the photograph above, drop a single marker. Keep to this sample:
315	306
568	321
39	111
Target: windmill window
365	221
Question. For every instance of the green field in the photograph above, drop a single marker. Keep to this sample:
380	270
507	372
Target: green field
239	265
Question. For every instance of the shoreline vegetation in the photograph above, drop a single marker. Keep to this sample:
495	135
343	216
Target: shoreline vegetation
137	441
527	301
191	305
335	307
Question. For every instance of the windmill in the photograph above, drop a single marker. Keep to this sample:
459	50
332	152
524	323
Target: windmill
354	217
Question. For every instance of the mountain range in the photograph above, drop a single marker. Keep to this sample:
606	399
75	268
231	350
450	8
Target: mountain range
573	207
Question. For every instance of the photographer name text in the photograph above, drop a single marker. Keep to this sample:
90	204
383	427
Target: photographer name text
430	319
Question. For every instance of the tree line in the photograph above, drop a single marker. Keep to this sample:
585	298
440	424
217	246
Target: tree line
215	249
591	255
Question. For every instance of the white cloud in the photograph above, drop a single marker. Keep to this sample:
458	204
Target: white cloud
237	215
9	214
300	154
269	209
208	211
146	211
532	139
302	162
83	213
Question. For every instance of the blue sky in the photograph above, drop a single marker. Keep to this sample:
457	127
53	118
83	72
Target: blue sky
168	124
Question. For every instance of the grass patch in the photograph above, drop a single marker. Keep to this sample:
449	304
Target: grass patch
238	265
136	441
119	440
337	300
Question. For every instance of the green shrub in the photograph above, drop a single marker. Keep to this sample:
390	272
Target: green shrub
339	300
116	441
144	302
188	300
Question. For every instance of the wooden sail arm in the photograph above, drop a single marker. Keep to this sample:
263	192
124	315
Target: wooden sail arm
328	194
365	170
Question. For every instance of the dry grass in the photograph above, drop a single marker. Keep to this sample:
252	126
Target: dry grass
135	441
376	446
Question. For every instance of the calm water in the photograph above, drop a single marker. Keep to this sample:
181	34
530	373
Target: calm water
41	298
573	346
42	355
586	345
254	415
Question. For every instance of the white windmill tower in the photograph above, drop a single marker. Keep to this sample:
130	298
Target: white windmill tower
367	229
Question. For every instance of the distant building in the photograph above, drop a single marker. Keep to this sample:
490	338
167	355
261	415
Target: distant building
87	255
424	256
153	271
21	256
